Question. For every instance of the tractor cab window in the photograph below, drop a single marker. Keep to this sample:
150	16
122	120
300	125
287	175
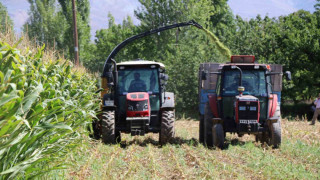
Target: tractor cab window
138	80
253	81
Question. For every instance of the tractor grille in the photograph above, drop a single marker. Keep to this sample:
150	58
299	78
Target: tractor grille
248	110
137	105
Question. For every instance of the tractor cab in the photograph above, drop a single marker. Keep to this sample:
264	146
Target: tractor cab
241	97
139	95
135	101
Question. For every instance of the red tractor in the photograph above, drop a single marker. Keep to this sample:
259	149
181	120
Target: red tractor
241	97
134	97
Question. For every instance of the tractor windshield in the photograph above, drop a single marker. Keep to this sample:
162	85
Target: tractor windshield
254	82
138	80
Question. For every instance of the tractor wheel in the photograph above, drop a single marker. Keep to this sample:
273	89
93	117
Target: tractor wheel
167	126
207	138
218	135
201	129
96	129
275	134
108	129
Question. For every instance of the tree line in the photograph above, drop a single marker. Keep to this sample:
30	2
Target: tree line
291	40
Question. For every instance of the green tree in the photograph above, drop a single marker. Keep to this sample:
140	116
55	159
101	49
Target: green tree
107	39
6	23
46	24
83	27
298	41
182	50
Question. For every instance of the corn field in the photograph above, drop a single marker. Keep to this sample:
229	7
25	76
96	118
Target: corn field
45	106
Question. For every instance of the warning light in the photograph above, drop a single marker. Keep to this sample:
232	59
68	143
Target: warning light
268	67
242	59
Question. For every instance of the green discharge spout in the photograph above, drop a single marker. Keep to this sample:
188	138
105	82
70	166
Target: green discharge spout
221	47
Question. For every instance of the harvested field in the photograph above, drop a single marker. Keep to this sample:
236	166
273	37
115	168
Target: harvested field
243	158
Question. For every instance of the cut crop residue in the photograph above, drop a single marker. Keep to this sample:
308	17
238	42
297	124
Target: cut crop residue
221	47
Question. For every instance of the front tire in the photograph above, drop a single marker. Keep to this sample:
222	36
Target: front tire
201	129
167	131
208	141
218	136
108	129
275	134
96	129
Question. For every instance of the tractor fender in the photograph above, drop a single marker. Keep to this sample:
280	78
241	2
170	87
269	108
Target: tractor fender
168	100
274	109
273	103
213	105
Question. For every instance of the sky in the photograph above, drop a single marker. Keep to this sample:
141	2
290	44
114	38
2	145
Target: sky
120	9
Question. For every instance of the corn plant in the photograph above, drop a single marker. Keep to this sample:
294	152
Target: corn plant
44	107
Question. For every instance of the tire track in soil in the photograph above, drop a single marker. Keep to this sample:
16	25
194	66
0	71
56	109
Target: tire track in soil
107	166
154	172
84	170
241	164
177	173
130	159
270	153
287	157
196	164
231	166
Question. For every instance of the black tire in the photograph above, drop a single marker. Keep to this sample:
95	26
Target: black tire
108	129
275	134
218	135
207	137
96	129
167	132
201	129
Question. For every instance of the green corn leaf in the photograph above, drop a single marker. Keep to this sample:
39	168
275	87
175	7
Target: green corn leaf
31	98
1	77
8	97
46	125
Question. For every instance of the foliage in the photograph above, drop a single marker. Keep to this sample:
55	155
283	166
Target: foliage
107	39
83	27
51	23
46	24
44	107
6	22
292	41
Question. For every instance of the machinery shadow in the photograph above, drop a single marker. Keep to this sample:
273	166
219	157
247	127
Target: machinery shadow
146	141
234	142
237	142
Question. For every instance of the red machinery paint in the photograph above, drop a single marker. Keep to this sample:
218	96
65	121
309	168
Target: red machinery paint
273	102
136	99
213	105
248	102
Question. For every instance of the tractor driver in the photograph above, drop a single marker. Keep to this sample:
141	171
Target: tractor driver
233	86
137	85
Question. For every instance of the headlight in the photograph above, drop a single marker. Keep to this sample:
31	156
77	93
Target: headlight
145	107
130	108
253	108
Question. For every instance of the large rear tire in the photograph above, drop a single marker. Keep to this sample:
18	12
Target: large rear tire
208	126
218	136
275	134
108	129
167	132
201	129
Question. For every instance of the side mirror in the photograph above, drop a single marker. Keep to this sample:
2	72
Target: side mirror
288	75
110	79
203	75
164	77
